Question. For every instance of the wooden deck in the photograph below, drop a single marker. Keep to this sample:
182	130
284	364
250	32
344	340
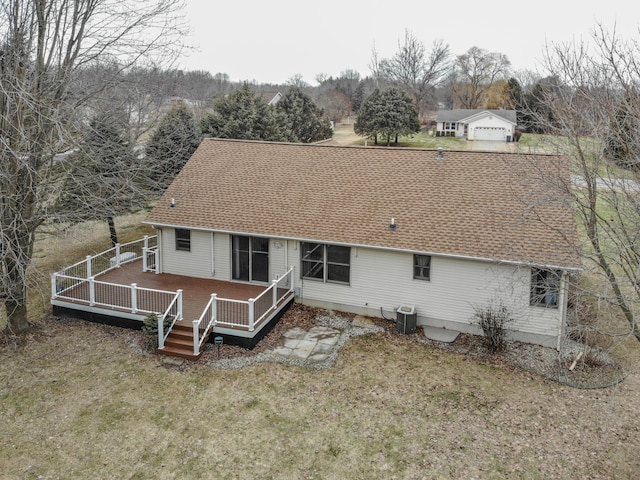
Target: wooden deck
113	288
196	292
234	324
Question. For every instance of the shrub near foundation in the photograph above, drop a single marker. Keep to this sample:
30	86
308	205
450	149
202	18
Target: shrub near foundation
493	319
150	324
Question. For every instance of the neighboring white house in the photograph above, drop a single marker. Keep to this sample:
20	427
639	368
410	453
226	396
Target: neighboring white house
369	229
272	98
497	125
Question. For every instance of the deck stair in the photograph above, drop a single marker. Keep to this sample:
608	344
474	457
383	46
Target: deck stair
179	343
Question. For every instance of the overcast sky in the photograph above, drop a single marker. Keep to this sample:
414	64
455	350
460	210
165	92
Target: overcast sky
270	41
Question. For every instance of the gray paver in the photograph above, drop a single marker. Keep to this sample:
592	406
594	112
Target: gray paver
300	354
283	351
291	343
296	332
329	340
315	345
323	348
306	345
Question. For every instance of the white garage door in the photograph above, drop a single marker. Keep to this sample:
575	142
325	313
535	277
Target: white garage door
489	133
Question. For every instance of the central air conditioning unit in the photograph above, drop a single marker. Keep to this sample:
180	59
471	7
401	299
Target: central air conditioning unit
406	319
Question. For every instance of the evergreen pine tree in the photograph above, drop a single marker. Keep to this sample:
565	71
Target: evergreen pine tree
108	178
304	120
170	146
389	114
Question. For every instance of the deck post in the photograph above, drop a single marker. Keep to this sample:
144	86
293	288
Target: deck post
251	314
134	298
156	260
88	267
92	291
292	278
161	331
145	249
179	312
54	285
274	285
117	254
196	339
214	308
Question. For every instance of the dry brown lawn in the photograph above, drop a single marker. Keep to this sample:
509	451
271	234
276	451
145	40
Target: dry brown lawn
344	135
80	400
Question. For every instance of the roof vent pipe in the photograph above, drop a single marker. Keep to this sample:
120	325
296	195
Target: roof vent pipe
392	225
440	155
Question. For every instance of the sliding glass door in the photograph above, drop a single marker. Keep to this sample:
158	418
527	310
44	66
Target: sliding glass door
250	258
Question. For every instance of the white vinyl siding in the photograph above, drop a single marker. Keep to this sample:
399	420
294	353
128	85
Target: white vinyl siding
385	280
278	258
194	263
381	279
222	256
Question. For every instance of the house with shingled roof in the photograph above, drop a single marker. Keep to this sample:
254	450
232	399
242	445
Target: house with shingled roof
495	125
377	231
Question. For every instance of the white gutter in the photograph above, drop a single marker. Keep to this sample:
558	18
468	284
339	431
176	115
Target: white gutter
377	247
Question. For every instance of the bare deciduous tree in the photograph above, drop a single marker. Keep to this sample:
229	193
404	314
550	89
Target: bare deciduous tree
474	73
43	45
415	70
597	83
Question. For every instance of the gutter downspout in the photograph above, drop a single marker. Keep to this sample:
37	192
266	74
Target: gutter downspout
564	290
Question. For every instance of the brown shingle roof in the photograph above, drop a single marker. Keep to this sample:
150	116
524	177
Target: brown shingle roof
487	205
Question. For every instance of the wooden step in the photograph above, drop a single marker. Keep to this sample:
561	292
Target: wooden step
179	352
182	330
179	343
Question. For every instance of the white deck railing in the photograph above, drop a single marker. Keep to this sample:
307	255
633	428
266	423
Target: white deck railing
131	298
226	312
174	313
78	283
94	265
202	325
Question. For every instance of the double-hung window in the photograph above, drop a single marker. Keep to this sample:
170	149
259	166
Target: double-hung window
328	263
545	287
183	239
422	267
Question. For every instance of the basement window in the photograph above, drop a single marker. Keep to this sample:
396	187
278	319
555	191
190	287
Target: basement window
183	239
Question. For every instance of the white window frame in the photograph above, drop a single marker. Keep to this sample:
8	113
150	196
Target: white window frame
323	263
545	288
183	239
418	267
